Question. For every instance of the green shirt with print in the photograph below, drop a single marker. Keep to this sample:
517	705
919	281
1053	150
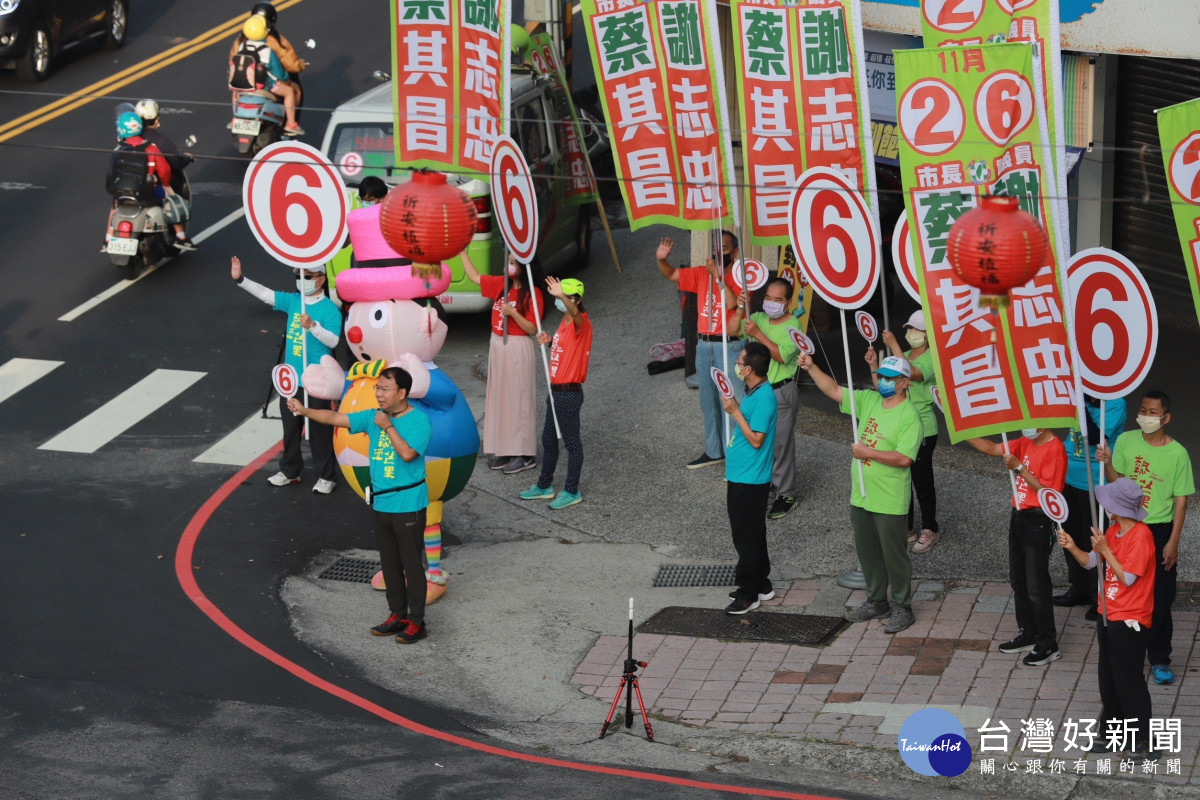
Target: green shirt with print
918	391
889	490
778	334
1164	473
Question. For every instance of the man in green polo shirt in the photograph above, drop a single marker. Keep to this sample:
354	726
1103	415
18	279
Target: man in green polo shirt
1163	469
889	433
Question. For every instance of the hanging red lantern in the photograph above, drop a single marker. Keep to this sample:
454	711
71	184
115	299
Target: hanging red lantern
427	220
997	247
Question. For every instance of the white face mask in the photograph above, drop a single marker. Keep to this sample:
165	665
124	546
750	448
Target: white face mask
1031	433
914	337
774	309
306	286
1149	424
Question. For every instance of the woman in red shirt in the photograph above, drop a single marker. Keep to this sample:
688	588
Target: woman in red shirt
510	410
1127	548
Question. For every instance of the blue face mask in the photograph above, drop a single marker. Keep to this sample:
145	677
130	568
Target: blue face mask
560	305
887	388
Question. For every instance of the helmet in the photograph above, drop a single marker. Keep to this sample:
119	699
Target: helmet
265	10
255	28
147	109
572	286
128	124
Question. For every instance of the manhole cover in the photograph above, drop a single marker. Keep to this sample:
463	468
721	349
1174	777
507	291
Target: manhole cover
762	626
353	570
694	575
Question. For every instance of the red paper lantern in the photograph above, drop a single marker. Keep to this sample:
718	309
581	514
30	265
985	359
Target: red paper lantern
997	247
427	219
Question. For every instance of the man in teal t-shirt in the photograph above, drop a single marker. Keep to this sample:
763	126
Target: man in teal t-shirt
889	433
748	458
399	433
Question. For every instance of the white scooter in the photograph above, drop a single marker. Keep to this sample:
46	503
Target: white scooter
141	235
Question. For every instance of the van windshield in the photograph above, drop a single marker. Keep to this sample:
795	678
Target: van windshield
363	149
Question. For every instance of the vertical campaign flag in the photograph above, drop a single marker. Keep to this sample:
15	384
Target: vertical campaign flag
969	123
660	71
449	82
801	102
1179	134
581	184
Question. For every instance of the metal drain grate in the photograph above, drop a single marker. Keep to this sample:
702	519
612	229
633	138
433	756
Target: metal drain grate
711	623
353	570
694	575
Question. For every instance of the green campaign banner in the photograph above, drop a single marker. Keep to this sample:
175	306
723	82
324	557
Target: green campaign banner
661	76
581	185
1179	134
969	125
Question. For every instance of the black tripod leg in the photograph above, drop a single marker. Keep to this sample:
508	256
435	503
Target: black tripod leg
613	709
645	719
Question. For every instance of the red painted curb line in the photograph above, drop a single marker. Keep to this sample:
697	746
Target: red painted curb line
187	580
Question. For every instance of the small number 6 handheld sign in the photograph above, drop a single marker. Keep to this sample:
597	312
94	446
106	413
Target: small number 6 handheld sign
802	342
284	379
866	325
1054	504
722	382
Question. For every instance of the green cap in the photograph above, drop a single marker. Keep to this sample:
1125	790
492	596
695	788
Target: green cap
572	286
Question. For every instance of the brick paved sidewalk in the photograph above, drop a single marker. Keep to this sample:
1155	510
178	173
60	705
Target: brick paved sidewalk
861	687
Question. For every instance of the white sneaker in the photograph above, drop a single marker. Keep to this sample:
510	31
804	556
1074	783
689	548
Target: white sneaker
279	479
323	486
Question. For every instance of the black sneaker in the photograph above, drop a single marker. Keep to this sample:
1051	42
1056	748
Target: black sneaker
184	243
498	462
520	464
392	625
1068	599
769	594
1040	656
740	605
1019	644
704	461
1092	614
781	507
411	633
869	610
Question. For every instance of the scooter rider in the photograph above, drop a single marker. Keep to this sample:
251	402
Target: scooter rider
148	111
288	57
129	132
253	42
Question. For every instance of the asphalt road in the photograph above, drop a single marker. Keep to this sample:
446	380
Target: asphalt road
112	682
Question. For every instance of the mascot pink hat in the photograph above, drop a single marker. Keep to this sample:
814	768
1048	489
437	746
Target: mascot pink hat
380	273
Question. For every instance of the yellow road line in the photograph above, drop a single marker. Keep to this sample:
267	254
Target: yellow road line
63	105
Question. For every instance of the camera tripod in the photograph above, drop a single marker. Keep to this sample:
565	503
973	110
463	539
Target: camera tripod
629	685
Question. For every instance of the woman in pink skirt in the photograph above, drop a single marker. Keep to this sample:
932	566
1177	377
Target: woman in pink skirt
510	412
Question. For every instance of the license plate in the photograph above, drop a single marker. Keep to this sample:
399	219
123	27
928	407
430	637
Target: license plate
246	127
123	247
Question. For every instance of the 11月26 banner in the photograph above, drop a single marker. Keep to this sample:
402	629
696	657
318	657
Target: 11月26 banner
660	71
970	122
1179	135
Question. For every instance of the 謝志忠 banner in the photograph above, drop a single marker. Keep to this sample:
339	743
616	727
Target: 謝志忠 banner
1179	134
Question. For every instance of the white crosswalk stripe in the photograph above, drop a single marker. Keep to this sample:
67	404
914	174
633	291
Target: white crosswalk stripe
17	373
124	411
244	443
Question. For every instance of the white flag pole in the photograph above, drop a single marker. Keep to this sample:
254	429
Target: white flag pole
537	318
862	486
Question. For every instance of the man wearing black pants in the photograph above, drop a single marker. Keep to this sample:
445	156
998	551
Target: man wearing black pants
748	462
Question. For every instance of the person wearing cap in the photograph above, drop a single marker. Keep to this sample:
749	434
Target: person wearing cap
1080	510
889	435
1162	467
311	333
919	394
769	328
570	350
510	405
1128	551
716	310
1038	461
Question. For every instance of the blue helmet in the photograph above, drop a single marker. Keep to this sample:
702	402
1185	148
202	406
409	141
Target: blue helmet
128	124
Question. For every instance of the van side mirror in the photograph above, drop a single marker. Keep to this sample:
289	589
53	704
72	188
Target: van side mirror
380	75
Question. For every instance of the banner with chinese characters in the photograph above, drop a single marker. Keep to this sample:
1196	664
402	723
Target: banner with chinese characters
969	124
449	82
802	100
660	70
1179	135
581	185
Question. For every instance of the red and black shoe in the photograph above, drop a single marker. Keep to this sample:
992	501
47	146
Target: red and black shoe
392	625
412	633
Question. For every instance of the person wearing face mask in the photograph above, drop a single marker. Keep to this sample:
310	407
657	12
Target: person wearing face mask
919	394
1038	461
510	406
1162	467
889	435
311	333
570	350
716	302
769	328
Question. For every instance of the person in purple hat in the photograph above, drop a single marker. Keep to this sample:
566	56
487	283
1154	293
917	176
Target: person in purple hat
1127	550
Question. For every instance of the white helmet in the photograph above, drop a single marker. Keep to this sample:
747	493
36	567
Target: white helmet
146	109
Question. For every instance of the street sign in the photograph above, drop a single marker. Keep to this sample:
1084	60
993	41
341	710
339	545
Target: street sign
283	376
902	258
1054	504
296	204
833	235
513	200
866	325
802	342
722	382
756	273
1116	322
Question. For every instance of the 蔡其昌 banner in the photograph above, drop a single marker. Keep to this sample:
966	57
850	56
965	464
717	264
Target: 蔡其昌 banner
1179	134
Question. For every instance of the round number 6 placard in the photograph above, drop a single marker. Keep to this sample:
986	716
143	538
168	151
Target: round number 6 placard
834	238
513	200
722	382
802	342
1054	504
284	379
